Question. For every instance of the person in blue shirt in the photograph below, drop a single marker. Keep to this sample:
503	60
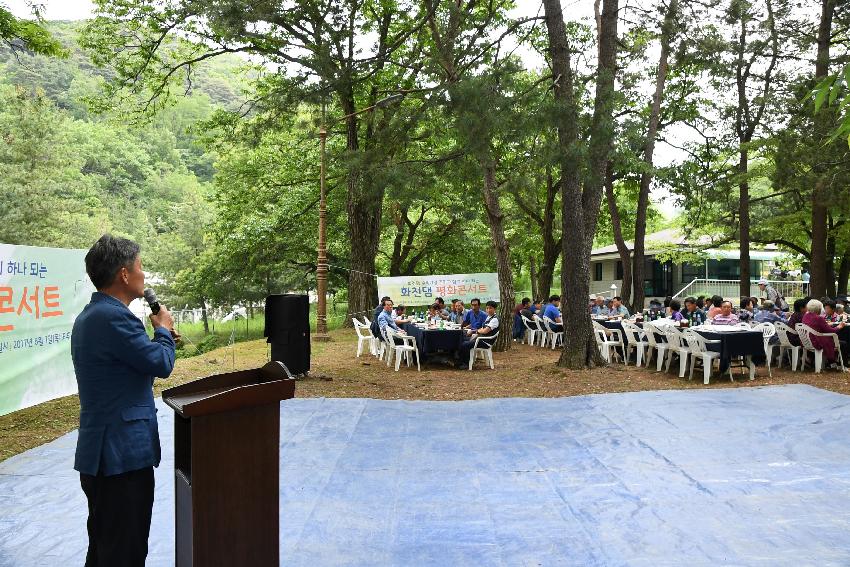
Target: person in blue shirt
536	306
379	308
474	318
617	308
599	307
115	363
553	312
458	312
386	319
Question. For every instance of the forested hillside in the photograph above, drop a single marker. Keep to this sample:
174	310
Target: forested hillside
68	174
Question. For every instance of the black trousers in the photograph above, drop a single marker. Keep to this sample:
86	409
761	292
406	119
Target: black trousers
119	523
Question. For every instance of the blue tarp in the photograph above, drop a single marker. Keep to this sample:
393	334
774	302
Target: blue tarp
745	476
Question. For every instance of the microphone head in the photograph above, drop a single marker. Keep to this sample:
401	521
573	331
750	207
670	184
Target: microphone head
150	296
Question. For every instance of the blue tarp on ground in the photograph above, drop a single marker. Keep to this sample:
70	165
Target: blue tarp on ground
747	476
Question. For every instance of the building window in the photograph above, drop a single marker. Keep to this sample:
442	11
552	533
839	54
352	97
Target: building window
597	272
691	271
619	270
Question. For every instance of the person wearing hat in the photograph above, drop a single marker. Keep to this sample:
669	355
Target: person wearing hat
772	295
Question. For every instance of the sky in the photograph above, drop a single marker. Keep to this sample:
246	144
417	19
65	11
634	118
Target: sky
575	10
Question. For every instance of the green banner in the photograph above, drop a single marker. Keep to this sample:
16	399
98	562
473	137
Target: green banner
42	290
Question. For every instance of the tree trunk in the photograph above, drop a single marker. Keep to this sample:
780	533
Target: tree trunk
744	223
843	273
533	273
830	266
363	205
204	317
507	296
820	198
638	262
551	245
622	249
578	215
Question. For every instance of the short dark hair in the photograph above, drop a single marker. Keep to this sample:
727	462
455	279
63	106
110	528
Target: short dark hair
675	305
474	299
745	301
440	300
800	304
455	301
618	298
108	255
384	301
829	303
492	304
690	300
717	300
526	300
554	298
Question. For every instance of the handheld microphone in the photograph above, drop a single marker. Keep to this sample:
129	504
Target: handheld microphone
150	297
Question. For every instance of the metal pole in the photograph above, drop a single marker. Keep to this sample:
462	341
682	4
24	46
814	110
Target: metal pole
322	262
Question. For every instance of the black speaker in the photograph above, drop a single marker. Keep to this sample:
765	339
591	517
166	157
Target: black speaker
288	330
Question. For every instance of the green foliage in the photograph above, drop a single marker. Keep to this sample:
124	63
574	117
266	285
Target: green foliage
22	35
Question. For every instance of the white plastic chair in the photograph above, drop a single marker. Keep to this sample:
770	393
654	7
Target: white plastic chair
541	330
768	331
607	340
676	345
555	337
406	349
660	348
806	334
483	345
698	347
784	332
364	335
531	330
636	340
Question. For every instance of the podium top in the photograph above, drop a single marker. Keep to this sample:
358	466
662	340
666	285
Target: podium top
231	391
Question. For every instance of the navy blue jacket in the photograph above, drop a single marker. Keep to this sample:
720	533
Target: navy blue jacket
115	362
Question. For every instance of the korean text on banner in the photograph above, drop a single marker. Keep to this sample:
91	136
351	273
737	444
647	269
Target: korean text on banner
423	290
42	290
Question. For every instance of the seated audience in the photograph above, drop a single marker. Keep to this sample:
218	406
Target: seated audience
840	313
725	316
829	311
746	313
716	303
518	331
692	313
701	303
814	319
488	328
434	313
532	310
756	308
675	310
458	312
617	308
598	307
474	318
385	318
441	308
398	315
553	312
767	314
379	308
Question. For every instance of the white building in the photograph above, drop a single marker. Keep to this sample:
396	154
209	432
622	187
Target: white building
718	271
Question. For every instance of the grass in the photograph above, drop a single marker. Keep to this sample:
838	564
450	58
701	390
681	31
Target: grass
523	371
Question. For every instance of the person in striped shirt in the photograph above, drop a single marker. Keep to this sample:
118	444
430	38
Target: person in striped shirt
726	317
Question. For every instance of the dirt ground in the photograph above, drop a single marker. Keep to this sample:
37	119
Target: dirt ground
524	371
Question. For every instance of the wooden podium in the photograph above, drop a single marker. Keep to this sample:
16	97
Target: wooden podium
227	466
